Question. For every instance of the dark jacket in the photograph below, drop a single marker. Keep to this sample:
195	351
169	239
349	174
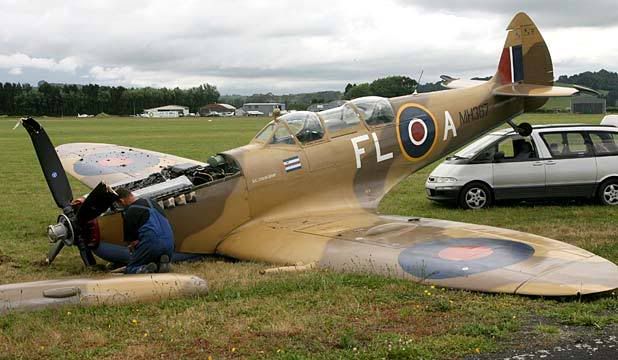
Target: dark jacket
134	217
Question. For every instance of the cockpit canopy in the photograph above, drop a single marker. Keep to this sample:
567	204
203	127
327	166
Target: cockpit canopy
376	110
307	126
304	125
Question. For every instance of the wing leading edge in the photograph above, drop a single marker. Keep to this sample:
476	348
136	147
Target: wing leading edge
439	252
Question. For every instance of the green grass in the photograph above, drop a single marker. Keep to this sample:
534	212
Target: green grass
558	103
317	314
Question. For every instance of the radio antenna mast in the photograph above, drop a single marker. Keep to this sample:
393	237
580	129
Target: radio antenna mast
418	82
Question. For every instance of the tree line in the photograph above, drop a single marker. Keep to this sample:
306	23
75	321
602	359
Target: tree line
58	100
390	86
598	80
292	101
68	100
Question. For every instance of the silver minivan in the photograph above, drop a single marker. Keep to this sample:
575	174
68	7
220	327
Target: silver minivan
555	161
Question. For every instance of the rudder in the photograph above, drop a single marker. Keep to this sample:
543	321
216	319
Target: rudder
525	57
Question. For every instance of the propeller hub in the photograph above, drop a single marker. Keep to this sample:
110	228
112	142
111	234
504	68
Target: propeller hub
62	231
57	232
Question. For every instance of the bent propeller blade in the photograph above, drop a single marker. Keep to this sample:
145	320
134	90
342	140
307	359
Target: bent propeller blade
86	255
50	163
99	200
54	250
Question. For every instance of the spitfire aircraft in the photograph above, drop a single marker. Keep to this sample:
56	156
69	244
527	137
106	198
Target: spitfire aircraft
305	190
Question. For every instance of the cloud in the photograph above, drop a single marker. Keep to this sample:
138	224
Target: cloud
18	61
549	13
245	46
114	73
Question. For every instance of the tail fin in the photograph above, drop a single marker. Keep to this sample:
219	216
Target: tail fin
525	68
525	57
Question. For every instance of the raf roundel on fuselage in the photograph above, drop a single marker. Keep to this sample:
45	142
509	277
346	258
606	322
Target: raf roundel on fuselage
416	130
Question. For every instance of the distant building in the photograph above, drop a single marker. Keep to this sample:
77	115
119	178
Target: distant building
168	111
240	112
587	104
255	113
327	106
264	108
217	110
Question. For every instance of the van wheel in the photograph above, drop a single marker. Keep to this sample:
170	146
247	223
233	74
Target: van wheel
475	196
608	192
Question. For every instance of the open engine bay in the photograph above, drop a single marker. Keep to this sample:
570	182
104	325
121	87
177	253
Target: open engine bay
175	185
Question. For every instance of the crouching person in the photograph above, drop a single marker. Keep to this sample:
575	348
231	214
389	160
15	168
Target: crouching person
148	233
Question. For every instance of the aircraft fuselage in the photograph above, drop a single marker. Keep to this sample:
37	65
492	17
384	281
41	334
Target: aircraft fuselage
354	169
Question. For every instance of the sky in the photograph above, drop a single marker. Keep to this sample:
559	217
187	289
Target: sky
279	46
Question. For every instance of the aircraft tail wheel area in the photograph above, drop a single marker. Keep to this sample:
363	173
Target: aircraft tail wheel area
523	129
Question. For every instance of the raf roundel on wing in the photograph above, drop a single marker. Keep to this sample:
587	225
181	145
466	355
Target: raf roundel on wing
417	131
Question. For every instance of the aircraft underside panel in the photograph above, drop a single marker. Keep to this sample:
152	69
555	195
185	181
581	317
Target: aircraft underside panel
439	252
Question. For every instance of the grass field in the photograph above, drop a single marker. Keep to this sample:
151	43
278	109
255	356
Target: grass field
317	314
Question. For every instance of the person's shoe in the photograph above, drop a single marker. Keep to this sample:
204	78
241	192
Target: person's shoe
164	264
147	269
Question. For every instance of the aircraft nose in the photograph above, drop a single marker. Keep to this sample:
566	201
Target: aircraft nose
594	275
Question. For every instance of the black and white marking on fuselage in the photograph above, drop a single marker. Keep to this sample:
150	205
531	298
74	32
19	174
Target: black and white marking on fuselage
292	164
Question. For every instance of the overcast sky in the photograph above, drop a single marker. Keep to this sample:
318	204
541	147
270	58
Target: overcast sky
286	46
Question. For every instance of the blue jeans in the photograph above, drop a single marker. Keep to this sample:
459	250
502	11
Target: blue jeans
155	239
148	250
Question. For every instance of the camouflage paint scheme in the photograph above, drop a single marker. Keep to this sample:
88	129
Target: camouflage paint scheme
325	212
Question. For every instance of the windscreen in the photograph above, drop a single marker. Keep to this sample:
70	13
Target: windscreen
266	133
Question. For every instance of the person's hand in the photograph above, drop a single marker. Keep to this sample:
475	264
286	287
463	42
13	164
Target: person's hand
133	245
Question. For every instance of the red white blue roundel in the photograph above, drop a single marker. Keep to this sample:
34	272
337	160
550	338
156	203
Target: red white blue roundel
417	131
448	258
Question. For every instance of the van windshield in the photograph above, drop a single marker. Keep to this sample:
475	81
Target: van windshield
478	145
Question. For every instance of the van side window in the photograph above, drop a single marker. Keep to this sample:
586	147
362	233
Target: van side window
570	144
577	143
604	142
516	148
506	146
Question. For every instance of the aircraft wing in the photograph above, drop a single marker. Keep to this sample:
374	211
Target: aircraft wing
456	83
91	163
439	252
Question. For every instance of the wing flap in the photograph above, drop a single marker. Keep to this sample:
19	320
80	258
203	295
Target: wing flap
439	252
91	163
